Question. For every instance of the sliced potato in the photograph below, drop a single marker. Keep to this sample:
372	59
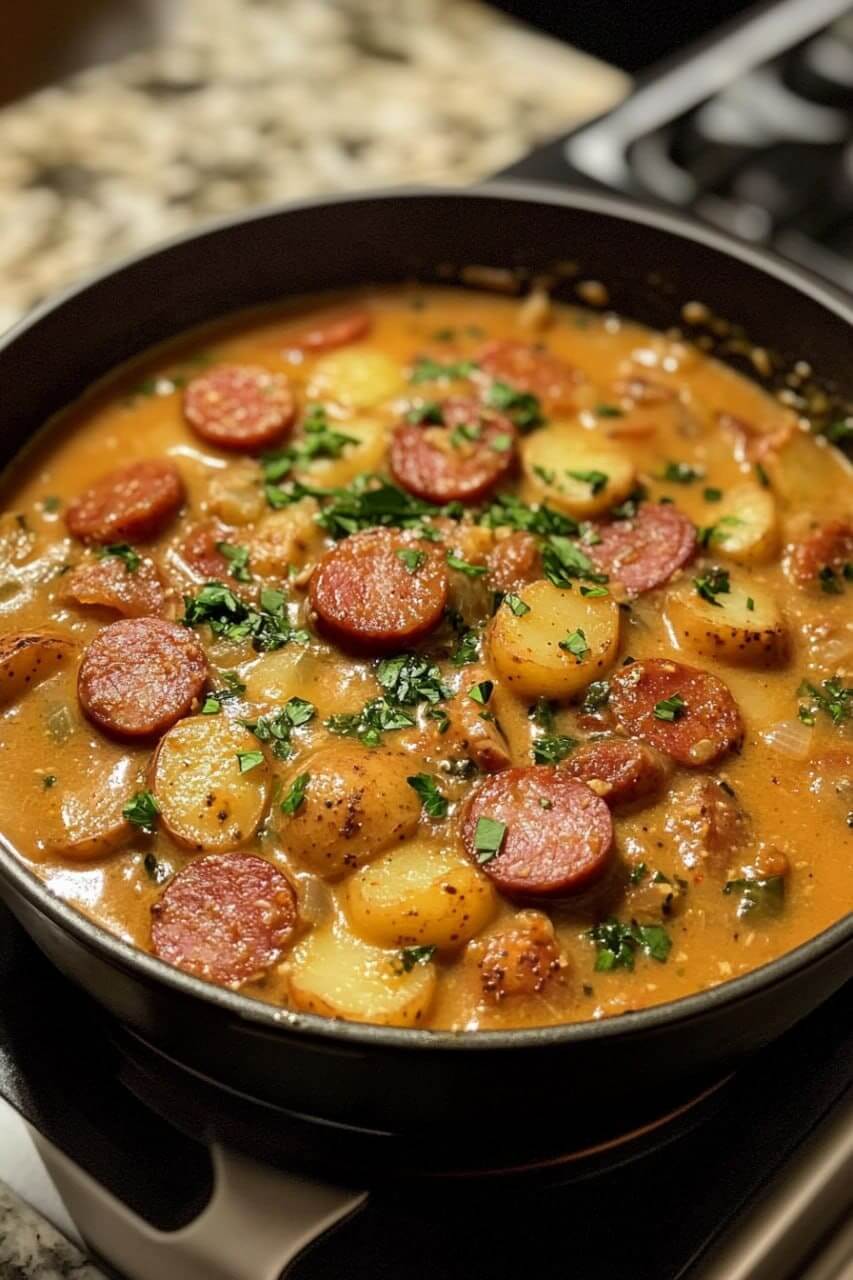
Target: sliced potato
278	675
744	627
746	528
419	894
526	651
576	472
87	821
357	804
334	973
359	377
205	801
366	454
236	494
283	538
29	657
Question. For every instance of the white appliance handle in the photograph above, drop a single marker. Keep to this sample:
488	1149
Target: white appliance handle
257	1221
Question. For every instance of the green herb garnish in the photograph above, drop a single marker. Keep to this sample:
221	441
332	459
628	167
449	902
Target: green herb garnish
410	956
596	697
409	679
142	811
680	473
276	728
411	558
516	605
575	644
522	407
463	566
762	897
296	794
552	748
122	551
714	582
249	760
833	698
217	607
238	560
670	709
433	802
617	943
489	835
597	480
481	692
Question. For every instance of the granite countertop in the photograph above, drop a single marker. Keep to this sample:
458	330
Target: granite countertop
244	102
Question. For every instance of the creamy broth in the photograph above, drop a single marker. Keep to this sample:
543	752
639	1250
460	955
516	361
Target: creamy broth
699	885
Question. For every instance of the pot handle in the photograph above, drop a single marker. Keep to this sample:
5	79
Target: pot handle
256	1223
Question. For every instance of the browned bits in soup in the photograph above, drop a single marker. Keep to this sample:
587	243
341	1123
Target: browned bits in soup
434	659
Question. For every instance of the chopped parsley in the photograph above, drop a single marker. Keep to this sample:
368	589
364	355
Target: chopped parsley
596	697
680	473
249	760
833	698
545	474
762	897
433	802
481	692
238	560
320	440
122	551
617	943
509	511
516	604
371	501
750	604
628	509
840	432
670	709
411	558
142	811
597	480
719	532
489	835
296	794
594	591
463	566
712	495
266	625
441	718
51	504
831	583
522	407
232	688
155	870
369	724
563	561
429	411
48	781
409	679
468	648
638	873
501	443
608	411
427	370
276	728
552	748
410	956
575	644
542	714
715	582
762	476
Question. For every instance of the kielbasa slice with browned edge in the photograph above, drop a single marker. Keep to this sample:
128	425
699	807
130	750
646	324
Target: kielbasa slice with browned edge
225	918
460	460
828	548
139	676
201	554
620	770
514	562
687	713
110	584
645	551
127	505
330	330
379	590
240	407
553	834
530	368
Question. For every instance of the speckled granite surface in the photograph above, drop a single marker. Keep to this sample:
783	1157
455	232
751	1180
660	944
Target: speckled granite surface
250	101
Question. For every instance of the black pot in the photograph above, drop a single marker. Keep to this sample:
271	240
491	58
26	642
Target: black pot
376	1077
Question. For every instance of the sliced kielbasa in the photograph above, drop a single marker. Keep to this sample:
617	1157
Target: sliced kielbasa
379	590
127	505
708	825
620	770
828	548
459	461
553	834
225	918
646	550
140	675
110	584
530	368
687	713
200	553
514	562
333	329
240	407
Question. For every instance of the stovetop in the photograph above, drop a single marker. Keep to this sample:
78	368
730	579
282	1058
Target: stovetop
657	1209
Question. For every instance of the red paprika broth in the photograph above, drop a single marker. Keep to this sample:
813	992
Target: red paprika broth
442	664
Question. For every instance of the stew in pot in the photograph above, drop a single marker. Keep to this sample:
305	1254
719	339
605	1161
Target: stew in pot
426	658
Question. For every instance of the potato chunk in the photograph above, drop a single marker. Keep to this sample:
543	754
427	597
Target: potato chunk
575	472
358	377
334	973
746	529
356	805
745	626
83	820
277	676
206	801
564	641
283	538
365	454
29	657
419	894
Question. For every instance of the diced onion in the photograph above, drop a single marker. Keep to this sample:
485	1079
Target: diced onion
790	738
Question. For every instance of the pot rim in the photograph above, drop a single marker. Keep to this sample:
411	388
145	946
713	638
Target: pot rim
272	1018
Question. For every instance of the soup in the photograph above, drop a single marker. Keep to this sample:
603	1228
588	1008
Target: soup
428	658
